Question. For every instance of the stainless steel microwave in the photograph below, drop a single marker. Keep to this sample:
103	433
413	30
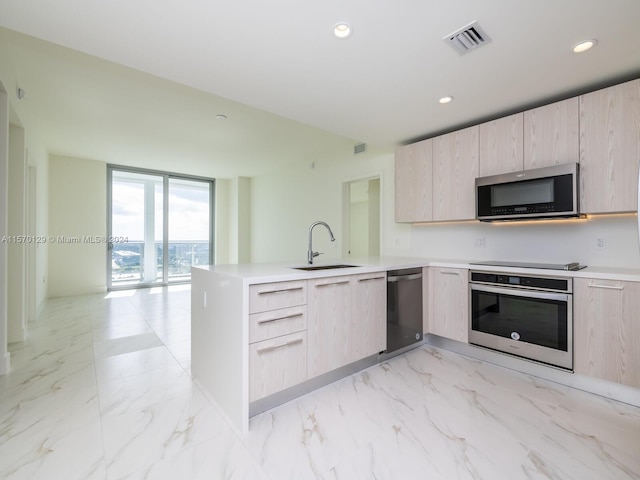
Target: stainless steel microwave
531	194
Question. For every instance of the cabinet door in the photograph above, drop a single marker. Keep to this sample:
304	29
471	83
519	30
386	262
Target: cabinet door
610	149
369	315
455	168
606	330
501	149
449	303
328	324
277	364
414	182
551	135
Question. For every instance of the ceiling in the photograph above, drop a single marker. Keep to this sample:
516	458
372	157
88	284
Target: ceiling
141	82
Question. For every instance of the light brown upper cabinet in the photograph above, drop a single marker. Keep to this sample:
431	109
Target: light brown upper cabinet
551	135
501	145
455	168
435	178
414	182
610	149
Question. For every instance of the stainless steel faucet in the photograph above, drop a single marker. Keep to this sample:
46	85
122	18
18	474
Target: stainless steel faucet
310	252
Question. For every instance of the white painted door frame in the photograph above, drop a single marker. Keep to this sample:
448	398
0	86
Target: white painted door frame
4	210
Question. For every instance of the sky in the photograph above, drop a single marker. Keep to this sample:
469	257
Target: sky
188	210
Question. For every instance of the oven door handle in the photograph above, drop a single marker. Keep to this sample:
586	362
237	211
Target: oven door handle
519	292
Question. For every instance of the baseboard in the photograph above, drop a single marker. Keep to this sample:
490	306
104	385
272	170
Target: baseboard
5	363
87	290
283	396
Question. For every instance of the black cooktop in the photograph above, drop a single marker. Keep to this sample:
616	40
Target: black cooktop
545	266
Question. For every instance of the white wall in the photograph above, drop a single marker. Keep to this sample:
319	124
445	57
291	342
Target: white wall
221	230
4	164
373	192
286	202
77	209
17	226
39	159
359	234
36	156
240	220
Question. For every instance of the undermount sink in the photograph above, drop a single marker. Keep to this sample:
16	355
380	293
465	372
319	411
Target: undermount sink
323	267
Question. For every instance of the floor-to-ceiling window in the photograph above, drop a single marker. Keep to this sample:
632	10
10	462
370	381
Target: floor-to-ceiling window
160	224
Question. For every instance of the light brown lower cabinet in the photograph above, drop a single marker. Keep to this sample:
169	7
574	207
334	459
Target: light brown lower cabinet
346	320
319	325
277	337
276	364
449	303
369	315
607	330
329	310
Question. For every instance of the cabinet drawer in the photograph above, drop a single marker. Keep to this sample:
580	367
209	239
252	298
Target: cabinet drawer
272	296
276	323
277	364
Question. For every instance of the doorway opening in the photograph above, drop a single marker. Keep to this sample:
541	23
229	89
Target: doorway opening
361	214
160	225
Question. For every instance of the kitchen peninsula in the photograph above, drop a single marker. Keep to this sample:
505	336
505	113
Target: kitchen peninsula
265	333
254	333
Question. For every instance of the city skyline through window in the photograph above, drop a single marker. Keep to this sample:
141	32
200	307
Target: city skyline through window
161	226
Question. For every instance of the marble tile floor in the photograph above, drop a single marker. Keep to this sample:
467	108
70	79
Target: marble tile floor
102	390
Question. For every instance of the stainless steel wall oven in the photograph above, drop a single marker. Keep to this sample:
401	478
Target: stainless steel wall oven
529	316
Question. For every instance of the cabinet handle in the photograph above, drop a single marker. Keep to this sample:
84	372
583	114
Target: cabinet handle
290	289
608	287
369	279
402	278
267	320
332	283
275	347
448	272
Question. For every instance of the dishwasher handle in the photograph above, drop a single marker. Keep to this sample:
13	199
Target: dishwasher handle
400	278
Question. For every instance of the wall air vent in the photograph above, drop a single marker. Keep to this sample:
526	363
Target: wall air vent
360	148
467	38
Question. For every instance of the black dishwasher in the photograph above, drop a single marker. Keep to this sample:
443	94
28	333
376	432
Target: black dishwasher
404	308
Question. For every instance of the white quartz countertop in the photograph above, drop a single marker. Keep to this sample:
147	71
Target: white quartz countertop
285	271
252	273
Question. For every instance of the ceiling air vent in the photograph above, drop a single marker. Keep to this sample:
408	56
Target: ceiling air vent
360	148
467	38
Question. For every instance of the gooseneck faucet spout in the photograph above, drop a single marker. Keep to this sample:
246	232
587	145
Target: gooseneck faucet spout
310	253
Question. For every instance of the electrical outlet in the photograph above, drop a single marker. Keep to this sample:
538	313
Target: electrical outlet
478	242
601	243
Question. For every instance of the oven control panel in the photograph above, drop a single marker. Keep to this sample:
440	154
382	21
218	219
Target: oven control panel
543	283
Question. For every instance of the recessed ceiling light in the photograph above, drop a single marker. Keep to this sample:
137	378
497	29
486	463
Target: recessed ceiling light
446	99
342	30
221	116
584	46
